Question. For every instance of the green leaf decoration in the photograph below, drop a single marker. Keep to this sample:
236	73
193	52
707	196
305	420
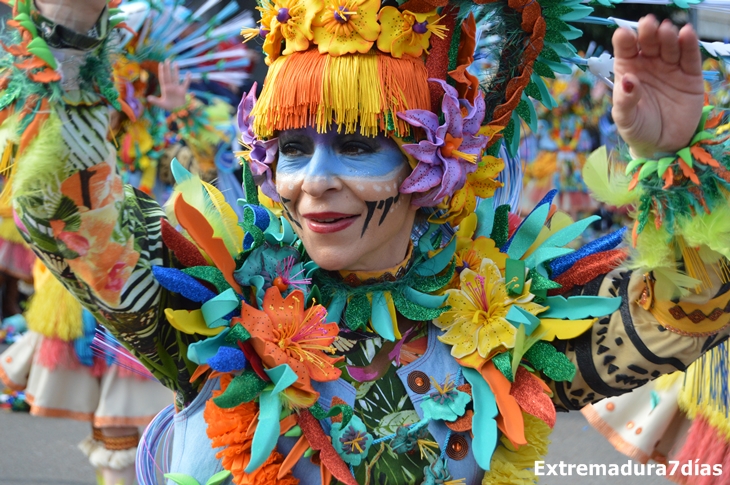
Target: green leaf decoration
391	422
435	283
210	274
294	432
701	136
181	479
345	410
663	165
686	155
39	48
549	53
243	388
416	312
218	478
543	70
237	333
555	37
633	164
503	363
357	312
647	169
555	365
251	192
500	229
532	91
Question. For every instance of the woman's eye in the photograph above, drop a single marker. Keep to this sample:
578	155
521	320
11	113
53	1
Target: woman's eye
291	150
355	148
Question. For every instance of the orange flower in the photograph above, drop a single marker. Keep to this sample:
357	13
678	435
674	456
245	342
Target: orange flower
228	428
285	333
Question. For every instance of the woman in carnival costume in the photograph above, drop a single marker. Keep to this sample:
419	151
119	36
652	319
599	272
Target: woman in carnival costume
326	345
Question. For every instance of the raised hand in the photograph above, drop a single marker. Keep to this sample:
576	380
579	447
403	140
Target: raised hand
658	93
172	91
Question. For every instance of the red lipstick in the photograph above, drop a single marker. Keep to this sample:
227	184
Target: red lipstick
328	222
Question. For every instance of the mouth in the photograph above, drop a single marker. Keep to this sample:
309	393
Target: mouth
328	222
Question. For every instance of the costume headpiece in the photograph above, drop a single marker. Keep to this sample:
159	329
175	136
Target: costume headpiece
403	70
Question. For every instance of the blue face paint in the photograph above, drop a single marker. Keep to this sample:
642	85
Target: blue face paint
307	154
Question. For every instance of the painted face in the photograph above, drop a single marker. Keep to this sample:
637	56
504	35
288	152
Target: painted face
340	193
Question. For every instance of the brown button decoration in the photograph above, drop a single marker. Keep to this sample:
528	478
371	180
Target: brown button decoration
419	382
457	448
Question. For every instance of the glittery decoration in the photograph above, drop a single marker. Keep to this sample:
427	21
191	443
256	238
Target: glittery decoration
337	409
589	268
434	283
178	282
500	229
415	312
462	424
337	418
560	265
555	365
249	186
530	395
503	362
211	274
254	236
540	282
237	334
437	62
243	388
227	359
319	441
185	251
523	111
358	312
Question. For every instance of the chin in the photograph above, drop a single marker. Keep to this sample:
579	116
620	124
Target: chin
334	258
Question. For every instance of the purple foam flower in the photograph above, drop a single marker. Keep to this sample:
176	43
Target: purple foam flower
449	152
263	152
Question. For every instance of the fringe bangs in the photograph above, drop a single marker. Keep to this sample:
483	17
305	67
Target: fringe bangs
351	91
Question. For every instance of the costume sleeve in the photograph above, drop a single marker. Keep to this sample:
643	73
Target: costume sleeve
675	290
643	339
98	236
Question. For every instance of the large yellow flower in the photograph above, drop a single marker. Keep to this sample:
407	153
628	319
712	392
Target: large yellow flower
346	27
407	32
290	21
476	325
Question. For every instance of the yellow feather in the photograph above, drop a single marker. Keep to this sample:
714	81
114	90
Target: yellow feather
607	181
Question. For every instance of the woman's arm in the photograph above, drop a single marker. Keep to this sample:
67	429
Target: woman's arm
98	236
658	99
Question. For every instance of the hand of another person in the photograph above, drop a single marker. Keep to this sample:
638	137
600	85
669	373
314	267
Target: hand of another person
79	16
659	91
172	91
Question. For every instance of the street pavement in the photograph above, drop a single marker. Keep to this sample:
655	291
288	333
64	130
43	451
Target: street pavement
42	451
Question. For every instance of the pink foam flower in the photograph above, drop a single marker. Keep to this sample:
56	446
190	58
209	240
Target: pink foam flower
262	152
449	152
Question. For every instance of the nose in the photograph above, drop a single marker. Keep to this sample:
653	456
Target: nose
322	174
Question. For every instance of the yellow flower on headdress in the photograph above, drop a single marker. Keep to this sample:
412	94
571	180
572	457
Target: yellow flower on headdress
476	325
286	20
480	183
347	27
407	32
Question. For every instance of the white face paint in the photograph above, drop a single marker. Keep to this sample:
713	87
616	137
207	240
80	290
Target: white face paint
341	194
